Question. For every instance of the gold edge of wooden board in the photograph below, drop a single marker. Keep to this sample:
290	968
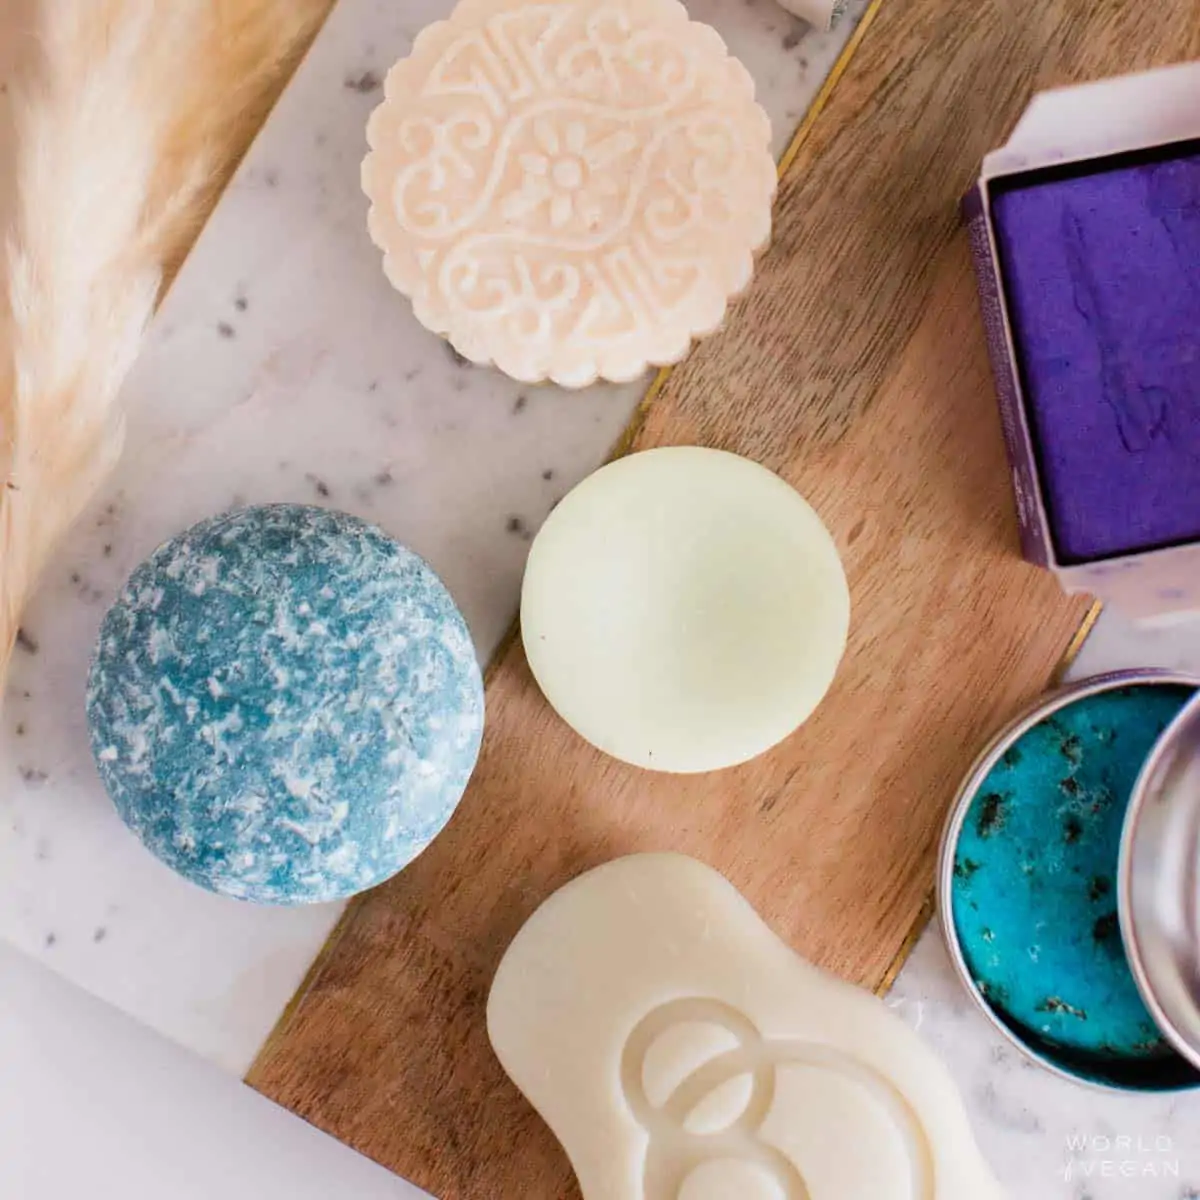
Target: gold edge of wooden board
834	77
1077	642
924	916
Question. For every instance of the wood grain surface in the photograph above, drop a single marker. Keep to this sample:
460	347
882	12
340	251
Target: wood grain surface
855	366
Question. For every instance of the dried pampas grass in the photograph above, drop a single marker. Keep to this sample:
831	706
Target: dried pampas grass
128	120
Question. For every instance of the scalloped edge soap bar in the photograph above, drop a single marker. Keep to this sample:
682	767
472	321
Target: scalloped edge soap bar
570	191
680	1051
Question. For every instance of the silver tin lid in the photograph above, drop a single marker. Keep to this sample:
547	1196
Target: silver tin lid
1159	883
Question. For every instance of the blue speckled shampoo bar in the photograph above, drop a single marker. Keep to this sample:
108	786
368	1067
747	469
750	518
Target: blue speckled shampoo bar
285	704
1034	883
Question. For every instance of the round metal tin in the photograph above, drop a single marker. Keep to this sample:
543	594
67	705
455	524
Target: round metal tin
975	778
1158	883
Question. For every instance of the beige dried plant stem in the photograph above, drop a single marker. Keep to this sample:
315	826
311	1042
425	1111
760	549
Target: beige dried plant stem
123	122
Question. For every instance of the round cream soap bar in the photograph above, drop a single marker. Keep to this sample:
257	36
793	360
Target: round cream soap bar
684	609
570	190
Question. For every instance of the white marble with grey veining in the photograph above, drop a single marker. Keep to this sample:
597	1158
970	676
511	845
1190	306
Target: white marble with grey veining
283	367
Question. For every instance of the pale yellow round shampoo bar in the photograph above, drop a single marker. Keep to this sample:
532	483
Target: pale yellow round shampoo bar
684	609
570	189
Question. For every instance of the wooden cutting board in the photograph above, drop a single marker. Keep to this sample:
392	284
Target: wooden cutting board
856	368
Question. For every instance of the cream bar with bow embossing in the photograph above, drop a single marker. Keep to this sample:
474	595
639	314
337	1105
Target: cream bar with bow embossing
680	1051
570	190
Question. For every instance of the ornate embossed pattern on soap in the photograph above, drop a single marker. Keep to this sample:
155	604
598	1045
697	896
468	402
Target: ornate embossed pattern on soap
1101	268
570	190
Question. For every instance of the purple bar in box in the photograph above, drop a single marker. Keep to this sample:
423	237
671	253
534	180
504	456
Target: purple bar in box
1101	267
1086	242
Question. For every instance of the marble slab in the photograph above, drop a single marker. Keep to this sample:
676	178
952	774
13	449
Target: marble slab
283	367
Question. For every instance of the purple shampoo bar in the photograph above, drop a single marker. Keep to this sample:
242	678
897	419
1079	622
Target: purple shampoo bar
1087	251
1101	269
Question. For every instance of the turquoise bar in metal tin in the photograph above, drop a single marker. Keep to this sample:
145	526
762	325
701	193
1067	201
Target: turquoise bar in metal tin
1028	887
